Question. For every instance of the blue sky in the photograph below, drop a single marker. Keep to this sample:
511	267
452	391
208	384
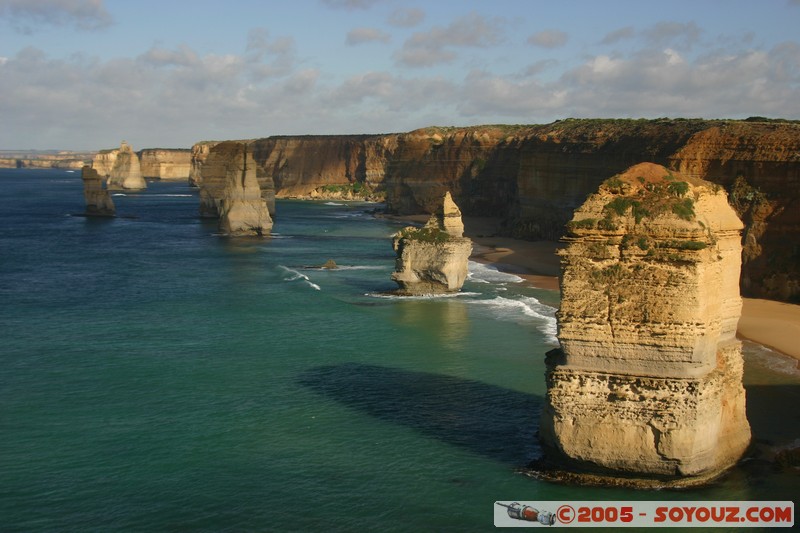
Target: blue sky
85	74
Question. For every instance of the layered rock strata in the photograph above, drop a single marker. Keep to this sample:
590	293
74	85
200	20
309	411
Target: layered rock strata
535	176
230	191
98	200
126	172
648	379
165	164
433	259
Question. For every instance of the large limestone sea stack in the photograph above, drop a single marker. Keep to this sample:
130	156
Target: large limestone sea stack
229	190
433	259
647	383
98	201
126	172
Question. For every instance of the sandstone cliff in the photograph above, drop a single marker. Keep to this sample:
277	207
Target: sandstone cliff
126	173
535	176
648	379
104	160
433	259
98	201
165	164
230	191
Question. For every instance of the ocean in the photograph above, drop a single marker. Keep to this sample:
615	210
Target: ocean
158	376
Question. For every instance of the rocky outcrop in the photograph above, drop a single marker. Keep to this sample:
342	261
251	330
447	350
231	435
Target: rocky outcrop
229	190
198	157
126	172
98	201
433	259
648	379
165	164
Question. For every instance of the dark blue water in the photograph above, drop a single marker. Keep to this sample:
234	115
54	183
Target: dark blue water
155	375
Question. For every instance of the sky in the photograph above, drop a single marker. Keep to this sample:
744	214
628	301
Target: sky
86	74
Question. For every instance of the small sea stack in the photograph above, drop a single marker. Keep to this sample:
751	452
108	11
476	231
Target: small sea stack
230	191
433	259
98	200
647	384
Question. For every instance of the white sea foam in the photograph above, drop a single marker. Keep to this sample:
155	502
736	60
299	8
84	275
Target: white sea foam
170	195
482	273
361	267
119	194
525	306
421	296
775	361
295	275
332	203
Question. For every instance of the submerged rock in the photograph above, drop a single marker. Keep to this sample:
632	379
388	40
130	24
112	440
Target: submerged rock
433	259
98	201
126	172
229	190
648	379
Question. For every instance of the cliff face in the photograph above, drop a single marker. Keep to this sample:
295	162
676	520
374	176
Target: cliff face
165	164
230	191
98	201
648	378
535	176
104	161
198	157
306	166
759	163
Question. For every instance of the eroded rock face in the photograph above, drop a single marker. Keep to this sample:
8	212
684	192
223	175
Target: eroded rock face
126	172
433	259
98	201
166	164
230	191
648	379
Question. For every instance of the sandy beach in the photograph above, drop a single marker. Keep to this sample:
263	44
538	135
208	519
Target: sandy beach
775	325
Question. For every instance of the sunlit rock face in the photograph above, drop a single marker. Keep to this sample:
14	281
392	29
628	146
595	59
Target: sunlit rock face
126	173
165	164
433	259
98	201
229	190
648	379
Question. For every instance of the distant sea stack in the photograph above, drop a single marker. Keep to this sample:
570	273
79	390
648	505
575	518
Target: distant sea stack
98	201
126	172
648	380
433	259
230	190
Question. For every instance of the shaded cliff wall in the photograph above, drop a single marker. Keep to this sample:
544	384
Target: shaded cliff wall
299	165
165	164
478	165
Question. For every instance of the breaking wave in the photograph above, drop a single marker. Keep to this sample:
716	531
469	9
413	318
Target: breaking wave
295	275
482	273
525	306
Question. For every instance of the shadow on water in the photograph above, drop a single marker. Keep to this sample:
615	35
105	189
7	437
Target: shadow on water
497	423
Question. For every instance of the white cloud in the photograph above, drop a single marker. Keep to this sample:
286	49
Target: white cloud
406	17
548	39
424	49
366	35
28	16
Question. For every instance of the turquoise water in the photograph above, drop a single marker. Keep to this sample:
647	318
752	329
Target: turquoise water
155	375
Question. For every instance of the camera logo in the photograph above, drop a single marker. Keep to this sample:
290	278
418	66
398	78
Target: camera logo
529	514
